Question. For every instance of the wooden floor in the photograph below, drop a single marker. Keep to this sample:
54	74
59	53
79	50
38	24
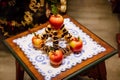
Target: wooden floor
97	16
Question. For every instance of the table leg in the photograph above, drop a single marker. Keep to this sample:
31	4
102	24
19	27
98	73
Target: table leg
19	72
119	50
102	71
118	43
96	72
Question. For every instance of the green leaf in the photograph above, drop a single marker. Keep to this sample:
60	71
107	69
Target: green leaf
54	9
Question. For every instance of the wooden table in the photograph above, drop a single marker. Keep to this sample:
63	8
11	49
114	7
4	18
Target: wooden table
79	68
118	43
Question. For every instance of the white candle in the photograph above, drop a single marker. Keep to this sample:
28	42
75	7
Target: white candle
63	8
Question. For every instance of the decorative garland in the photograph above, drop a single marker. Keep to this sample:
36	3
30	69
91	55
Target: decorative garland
36	9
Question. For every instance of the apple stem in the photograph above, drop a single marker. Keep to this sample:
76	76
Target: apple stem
35	34
52	48
54	53
78	38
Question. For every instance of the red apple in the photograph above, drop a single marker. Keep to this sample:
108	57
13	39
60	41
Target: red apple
75	44
56	57
56	21
37	41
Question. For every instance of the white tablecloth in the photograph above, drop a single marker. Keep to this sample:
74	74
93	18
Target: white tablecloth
41	61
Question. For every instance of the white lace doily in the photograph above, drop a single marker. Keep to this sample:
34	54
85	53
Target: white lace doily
41	61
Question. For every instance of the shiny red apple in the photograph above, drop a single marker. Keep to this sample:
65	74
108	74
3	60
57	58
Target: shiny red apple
56	57
76	44
56	21
37	41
